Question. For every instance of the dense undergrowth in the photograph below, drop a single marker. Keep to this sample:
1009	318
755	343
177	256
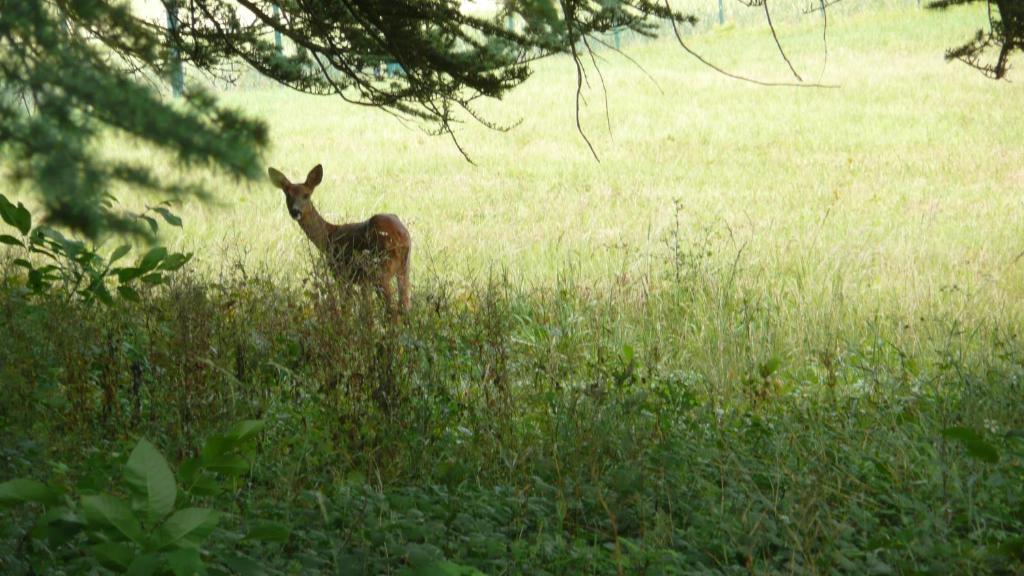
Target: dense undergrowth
558	430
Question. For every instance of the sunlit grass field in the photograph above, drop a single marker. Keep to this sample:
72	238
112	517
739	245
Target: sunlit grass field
891	198
901	182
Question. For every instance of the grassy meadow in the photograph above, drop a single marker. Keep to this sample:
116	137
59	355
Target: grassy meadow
887	192
772	331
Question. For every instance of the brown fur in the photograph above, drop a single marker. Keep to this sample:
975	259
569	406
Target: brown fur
371	252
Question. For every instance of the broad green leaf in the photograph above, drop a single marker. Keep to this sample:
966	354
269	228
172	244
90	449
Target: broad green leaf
153	279
58	526
175	261
23	219
119	252
17	216
112	555
205	486
128	293
975	445
22	490
217	446
106	510
229	465
144	565
188	528
7	210
185	562
36	281
246	429
188	470
269	532
168	216
128	274
148	474
103	295
151	221
10	240
56	239
152	258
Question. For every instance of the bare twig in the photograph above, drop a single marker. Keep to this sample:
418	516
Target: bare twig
706	62
631	60
824	39
768	16
604	89
579	78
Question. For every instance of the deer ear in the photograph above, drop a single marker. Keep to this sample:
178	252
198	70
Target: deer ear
315	176
278	179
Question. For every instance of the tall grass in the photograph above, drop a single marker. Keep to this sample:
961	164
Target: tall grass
825	215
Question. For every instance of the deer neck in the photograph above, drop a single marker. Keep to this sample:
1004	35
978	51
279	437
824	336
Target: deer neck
316	228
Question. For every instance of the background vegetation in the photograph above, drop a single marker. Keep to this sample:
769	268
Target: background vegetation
772	331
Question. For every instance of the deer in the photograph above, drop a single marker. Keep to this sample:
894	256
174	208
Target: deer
372	252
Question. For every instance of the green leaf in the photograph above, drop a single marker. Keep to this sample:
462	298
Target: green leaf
7	210
22	490
205	486
106	510
229	465
168	216
57	526
125	275
17	216
153	279
216	447
128	293
152	258
10	240
186	562
103	295
269	532
175	261
151	221
53	237
148	474
188	528
188	470
145	565
112	555
975	445
23	263
119	253
23	219
246	429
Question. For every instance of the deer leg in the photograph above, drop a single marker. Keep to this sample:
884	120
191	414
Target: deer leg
385	290
403	281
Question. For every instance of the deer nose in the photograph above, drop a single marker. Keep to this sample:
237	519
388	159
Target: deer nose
295	213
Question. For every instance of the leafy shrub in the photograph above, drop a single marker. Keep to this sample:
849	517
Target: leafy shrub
77	268
147	525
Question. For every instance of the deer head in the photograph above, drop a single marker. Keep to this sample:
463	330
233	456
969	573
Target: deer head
296	196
